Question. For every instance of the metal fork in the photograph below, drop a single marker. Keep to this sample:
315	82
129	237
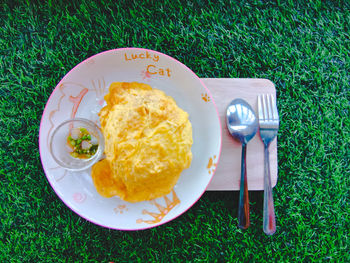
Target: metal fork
268	125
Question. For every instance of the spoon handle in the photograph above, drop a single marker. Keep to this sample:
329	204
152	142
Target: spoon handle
269	219
243	208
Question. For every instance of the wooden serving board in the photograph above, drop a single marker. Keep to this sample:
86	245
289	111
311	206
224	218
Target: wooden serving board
228	172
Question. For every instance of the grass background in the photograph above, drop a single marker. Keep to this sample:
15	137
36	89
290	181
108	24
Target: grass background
303	48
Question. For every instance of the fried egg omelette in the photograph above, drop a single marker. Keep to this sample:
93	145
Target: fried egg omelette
148	141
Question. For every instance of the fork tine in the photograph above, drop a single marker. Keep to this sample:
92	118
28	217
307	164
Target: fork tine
269	106
260	108
266	116
274	108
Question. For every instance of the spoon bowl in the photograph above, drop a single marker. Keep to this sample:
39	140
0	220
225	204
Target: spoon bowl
241	121
242	124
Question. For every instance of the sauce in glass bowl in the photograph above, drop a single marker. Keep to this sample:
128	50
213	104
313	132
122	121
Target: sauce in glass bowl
83	145
76	144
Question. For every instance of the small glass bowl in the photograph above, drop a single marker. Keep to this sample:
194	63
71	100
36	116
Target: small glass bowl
61	152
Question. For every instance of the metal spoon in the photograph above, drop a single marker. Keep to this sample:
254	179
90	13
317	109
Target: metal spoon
242	125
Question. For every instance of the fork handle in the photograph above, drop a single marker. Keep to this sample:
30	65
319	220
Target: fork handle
243	207
269	219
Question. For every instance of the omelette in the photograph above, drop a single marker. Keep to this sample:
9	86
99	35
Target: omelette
148	141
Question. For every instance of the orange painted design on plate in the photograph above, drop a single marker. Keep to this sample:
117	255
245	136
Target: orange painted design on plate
60	88
212	164
120	209
205	97
90	62
145	74
76	101
163	211
79	197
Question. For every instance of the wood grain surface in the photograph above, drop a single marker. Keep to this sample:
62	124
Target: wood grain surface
227	175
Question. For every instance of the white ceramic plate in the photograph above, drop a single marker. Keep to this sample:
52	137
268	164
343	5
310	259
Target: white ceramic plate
80	94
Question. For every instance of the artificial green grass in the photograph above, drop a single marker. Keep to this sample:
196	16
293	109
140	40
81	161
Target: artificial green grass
303	48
